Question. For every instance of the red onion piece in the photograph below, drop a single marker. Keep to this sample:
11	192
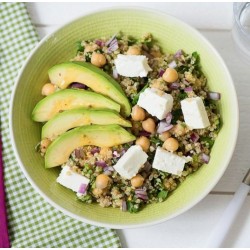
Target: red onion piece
205	158
101	164
194	137
144	133
82	188
79	153
94	150
110	40
188	89
124	206
161	72
116	154
142	197
100	42
112	44
141	193
141	190
214	96
178	53
174	85
172	65
169	117
163	127
109	168
115	73
77	85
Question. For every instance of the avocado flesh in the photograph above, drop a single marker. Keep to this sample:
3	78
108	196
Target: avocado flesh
69	119
64	74
67	99
60	149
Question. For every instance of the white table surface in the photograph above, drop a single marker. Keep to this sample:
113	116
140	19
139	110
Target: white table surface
191	229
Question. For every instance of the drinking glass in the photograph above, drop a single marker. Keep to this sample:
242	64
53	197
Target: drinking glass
241	28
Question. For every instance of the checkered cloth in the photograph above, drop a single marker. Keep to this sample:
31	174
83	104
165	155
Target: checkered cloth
32	222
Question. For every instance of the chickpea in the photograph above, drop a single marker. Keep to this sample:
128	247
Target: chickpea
138	113
143	142
164	136
102	181
171	144
137	181
97	192
170	75
48	89
149	125
98	59
134	50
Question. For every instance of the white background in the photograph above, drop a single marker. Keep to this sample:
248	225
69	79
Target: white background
191	229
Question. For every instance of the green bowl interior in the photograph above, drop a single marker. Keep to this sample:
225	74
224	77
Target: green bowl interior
61	46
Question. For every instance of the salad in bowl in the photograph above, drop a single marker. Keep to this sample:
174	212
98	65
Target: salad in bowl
126	121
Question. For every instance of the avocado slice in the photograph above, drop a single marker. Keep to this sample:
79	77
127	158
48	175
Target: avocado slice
60	149
69	119
70	99
64	74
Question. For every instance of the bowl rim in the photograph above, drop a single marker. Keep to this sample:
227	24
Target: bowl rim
180	211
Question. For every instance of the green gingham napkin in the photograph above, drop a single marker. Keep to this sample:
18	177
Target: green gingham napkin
32	222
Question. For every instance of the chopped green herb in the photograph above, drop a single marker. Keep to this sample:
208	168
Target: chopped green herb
80	48
208	140
156	141
182	69
176	115
132	208
162	195
195	158
136	97
182	95
107	68
195	58
147	40
85	198
131	40
88	57
219	125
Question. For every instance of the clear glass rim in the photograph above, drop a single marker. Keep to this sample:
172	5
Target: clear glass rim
237	15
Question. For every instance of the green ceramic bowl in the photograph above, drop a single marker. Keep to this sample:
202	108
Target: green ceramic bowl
60	46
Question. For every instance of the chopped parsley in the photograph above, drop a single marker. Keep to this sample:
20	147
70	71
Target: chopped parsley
208	141
132	207
80	48
182	95
162	195
136	97
176	115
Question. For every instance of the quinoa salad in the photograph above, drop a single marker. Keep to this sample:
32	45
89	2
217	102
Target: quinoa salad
126	121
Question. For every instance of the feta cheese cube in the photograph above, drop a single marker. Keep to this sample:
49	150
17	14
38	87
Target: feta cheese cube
168	162
156	102
131	162
71	179
195	114
132	65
